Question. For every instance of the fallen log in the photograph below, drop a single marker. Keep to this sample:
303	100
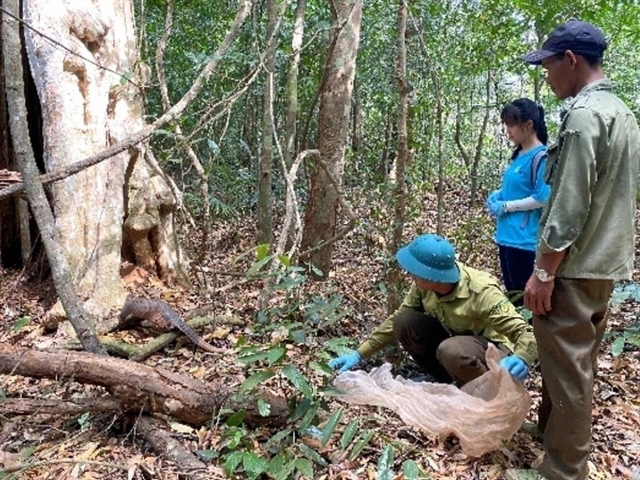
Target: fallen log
139	387
156	433
31	406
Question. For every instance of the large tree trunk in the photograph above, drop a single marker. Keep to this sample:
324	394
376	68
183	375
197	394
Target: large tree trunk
333	126
90	100
26	162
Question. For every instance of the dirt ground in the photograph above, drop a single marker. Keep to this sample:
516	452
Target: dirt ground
110	447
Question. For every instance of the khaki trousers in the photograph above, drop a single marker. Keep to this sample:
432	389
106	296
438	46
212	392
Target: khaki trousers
460	357
569	338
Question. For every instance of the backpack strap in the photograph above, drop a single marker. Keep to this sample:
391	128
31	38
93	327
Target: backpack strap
535	164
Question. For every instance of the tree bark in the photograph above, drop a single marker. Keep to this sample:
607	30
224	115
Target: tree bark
60	270
265	197
333	126
169	257
84	109
139	388
480	143
291	117
399	194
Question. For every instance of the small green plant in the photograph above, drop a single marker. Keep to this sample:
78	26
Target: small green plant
290	451
410	469
21	323
294	451
630	335
84	421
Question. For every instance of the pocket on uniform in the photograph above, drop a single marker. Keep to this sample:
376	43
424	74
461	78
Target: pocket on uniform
553	153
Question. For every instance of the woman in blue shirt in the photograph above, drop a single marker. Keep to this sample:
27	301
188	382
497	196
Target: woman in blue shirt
517	206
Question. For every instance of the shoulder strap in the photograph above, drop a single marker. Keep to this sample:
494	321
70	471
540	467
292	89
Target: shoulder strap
535	164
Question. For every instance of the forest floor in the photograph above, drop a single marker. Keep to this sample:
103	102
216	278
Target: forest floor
105	446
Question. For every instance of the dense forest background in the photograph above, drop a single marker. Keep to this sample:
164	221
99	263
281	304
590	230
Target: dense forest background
462	65
326	135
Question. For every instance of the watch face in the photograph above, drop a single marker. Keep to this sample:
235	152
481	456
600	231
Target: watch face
543	275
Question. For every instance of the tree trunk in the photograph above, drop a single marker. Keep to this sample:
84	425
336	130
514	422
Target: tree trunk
9	247
356	119
291	118
12	55
87	106
394	277
440	115
79	104
265	210
333	126
479	146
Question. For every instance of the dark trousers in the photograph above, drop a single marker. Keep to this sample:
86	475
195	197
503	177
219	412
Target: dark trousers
517	266
569	338
460	358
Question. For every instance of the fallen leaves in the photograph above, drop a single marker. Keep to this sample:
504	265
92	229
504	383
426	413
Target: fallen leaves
109	447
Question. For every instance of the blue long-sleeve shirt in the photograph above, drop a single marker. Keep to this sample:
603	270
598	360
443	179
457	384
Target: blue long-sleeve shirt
520	229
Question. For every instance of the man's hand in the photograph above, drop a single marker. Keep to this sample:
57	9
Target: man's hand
537	295
346	362
516	367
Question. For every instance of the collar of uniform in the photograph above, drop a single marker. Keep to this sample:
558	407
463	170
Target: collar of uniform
602	84
462	289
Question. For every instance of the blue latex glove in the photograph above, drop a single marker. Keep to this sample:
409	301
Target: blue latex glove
493	196
346	362
516	367
496	207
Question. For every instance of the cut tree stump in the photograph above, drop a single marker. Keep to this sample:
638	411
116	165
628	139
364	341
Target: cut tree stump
136	387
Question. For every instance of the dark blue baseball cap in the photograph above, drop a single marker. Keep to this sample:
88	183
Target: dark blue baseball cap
582	38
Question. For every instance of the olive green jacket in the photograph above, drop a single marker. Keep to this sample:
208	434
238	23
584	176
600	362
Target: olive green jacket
593	173
477	306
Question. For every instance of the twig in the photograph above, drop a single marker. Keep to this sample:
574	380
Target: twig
23	467
291	208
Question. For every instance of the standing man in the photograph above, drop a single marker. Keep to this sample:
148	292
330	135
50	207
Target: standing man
586	240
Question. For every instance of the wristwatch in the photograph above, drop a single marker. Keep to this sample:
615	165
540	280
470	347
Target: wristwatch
542	275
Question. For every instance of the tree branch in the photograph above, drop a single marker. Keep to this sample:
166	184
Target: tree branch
244	8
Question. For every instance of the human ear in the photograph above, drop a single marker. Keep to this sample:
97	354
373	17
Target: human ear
573	61
528	126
